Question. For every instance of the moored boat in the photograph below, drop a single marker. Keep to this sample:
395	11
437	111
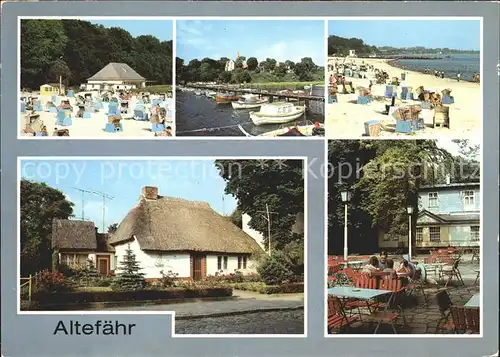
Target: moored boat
197	92
249	101
277	113
210	94
226	98
308	129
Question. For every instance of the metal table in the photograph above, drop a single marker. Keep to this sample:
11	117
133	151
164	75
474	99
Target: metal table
474	302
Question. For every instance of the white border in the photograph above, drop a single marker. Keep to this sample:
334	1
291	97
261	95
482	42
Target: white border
325	271
409	18
172	313
174	53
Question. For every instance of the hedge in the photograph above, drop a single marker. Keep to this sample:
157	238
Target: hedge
139	295
270	289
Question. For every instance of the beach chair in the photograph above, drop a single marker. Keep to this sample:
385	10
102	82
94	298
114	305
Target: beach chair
37	106
64	118
23	107
113	109
114	124
140	113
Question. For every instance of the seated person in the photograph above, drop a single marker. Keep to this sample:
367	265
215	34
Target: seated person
404	267
390	268
383	260
372	266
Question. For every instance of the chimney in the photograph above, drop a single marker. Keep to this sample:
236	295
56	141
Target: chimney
448	179
150	192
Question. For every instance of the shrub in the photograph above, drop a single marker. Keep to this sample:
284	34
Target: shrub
275	269
137	295
168	280
129	276
52	282
262	288
29	305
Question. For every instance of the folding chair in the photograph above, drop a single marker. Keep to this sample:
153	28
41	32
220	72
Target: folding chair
453	273
394	309
473	322
337	319
478	272
444	303
416	283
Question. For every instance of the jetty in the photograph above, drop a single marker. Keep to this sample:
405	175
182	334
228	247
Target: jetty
263	93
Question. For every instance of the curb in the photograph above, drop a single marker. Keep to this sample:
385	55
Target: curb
95	306
242	312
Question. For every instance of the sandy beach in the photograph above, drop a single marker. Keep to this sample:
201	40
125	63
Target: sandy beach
346	119
94	127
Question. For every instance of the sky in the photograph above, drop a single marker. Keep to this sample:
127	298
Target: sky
196	180
282	40
455	34
161	29
453	148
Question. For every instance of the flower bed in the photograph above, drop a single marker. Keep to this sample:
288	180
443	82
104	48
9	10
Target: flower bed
262	288
138	295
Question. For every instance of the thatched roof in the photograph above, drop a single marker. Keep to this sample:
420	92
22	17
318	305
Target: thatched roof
73	234
117	72
174	224
103	243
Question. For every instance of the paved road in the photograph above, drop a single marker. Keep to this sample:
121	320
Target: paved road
272	322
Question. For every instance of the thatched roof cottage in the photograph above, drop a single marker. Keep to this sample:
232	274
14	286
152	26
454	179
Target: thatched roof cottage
78	242
186	237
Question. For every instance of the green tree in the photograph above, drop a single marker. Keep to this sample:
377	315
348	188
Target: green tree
225	77
239	62
252	63
59	70
241	76
236	218
40	205
129	275
86	48
112	228
279	184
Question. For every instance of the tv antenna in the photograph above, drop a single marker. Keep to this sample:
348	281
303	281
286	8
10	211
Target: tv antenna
104	197
83	192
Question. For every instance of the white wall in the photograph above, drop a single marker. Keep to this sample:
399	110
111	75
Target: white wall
259	238
232	265
153	263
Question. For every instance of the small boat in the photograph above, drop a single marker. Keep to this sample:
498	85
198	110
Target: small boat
197	92
277	113
210	94
249	101
225	98
316	129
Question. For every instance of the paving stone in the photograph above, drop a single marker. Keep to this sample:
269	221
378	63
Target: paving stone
275	322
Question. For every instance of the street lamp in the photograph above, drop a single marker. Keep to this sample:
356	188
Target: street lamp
346	197
409	209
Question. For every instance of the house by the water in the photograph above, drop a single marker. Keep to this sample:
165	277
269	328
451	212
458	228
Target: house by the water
448	215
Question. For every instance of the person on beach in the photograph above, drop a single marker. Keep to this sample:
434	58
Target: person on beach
458	77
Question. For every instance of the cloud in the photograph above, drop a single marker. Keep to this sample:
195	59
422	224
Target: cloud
194	33
294	51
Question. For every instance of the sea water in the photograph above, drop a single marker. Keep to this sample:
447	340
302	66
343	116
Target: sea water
465	64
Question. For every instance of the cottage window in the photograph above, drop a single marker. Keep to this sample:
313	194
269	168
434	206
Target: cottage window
474	233
222	263
71	259
469	198
242	262
433	199
435	234
419	234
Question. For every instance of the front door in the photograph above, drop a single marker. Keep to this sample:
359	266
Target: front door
197	268
103	265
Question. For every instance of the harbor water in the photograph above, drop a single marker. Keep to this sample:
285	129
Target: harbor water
199	115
